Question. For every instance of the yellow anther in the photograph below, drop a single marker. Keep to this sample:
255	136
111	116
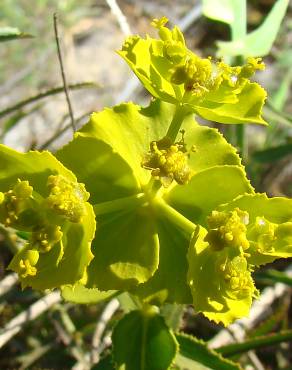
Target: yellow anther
26	266
168	162
44	239
159	22
14	201
67	198
227	229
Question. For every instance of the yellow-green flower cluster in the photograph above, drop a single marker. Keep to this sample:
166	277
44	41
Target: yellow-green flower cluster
168	162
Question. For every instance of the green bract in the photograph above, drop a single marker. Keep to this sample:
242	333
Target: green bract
213	90
250	231
42	199
143	230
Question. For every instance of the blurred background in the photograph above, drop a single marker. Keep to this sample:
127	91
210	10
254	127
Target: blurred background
34	114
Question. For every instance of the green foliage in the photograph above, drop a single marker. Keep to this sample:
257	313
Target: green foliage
10	33
258	42
194	353
150	343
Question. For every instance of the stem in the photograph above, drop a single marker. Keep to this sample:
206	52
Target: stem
175	217
176	122
119	204
57	38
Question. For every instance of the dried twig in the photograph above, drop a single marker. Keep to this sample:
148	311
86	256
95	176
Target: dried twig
57	38
122	20
8	282
106	315
36	309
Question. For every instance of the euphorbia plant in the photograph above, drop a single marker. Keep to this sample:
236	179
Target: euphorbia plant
177	219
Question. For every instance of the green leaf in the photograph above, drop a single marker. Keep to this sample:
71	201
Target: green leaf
10	33
165	286
248	108
231	12
197	353
196	200
260	41
275	276
150	344
258	342
78	293
272	154
126	249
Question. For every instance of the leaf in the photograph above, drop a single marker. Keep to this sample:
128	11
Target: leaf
231	12
258	342
272	154
150	343
197	352
260	41
165	286
126	248
196	200
248	108
10	33
82	295
275	276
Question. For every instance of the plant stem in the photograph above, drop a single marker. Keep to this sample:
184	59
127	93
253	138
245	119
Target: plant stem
119	204
176	122
175	217
57	38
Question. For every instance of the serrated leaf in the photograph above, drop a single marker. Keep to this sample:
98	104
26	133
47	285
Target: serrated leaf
150	343
78	293
11	33
258	342
198	353
260	41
